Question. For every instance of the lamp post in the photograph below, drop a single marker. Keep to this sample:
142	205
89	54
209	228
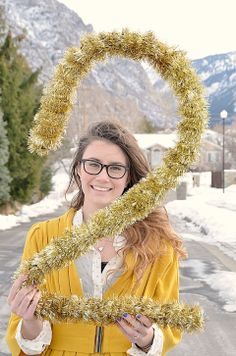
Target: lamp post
223	116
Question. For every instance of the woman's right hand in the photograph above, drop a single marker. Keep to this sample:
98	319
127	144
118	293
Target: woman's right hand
23	300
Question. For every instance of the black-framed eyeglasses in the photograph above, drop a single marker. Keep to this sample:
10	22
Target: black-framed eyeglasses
115	171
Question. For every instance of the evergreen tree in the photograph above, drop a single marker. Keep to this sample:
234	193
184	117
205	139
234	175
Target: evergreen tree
147	126
20	99
4	156
46	181
2	24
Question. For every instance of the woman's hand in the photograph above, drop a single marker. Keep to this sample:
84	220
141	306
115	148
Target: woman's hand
23	302
137	329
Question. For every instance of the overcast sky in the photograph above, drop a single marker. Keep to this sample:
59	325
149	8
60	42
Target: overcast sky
200	27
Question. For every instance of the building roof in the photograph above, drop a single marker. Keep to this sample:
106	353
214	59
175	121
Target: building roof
206	144
147	141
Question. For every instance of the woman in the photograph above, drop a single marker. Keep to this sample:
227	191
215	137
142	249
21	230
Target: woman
142	262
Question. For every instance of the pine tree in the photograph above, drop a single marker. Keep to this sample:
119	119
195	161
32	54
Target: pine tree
147	126
4	156
46	181
20	99
2	24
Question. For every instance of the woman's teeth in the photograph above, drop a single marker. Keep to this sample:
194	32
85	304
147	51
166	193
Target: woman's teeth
102	189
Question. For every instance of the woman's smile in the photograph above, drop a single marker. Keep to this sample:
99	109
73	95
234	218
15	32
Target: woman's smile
101	189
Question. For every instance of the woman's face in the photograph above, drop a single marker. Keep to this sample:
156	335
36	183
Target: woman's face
101	190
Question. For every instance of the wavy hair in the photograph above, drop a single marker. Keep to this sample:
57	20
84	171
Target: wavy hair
146	238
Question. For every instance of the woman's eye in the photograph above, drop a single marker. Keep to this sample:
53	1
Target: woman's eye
93	164
116	168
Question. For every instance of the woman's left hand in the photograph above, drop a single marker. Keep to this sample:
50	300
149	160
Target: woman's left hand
137	329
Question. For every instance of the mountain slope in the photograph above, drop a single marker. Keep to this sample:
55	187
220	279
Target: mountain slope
218	74
118	89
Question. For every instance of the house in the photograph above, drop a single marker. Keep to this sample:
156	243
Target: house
155	145
210	157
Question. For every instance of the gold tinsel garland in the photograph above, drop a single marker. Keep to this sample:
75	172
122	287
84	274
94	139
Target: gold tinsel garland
140	200
64	309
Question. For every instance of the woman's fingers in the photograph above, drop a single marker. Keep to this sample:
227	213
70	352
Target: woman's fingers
144	320
119	324
23	293
131	326
15	288
135	325
32	307
138	330
23	300
26	302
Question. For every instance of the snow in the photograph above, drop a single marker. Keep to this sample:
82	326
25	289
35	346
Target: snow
47	205
205	75
168	140
213	88
211	213
223	282
148	140
232	78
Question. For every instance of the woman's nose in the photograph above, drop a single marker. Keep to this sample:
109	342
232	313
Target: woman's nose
103	174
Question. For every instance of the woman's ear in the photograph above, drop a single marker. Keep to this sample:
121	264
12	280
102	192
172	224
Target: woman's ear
78	170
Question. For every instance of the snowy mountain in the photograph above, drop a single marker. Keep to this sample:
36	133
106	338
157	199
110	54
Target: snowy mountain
123	89
49	27
218	74
118	89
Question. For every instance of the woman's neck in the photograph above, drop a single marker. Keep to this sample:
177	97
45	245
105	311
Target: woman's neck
88	212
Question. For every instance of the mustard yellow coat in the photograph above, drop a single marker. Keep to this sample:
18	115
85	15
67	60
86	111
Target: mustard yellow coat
160	282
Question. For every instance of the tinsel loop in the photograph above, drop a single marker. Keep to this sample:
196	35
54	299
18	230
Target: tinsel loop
184	317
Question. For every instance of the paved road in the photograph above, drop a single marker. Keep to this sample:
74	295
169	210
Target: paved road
11	245
218	339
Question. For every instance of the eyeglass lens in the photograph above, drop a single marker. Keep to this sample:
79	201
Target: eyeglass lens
113	171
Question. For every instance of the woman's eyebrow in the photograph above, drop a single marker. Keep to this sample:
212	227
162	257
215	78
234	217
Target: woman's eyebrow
98	160
93	159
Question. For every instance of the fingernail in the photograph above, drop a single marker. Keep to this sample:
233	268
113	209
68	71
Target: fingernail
138	316
125	315
118	319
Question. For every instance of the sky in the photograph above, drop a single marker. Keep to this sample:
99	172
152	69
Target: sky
199	27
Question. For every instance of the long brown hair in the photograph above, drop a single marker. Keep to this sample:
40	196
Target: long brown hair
146	238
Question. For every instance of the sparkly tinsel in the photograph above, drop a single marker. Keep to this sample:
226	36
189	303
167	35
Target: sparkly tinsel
184	317
141	199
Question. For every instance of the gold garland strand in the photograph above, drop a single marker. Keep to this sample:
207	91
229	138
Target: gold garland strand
184	317
140	200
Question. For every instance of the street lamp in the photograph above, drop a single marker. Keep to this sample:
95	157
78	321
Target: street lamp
223	115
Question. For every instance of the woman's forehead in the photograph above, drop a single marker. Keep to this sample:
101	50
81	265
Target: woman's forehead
101	149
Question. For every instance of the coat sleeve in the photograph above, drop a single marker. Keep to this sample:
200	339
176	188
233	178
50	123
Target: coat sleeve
167	290
33	245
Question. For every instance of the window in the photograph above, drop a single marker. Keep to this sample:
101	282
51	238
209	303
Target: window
156	157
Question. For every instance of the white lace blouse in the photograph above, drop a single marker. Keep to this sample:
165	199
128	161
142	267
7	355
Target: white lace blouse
94	282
